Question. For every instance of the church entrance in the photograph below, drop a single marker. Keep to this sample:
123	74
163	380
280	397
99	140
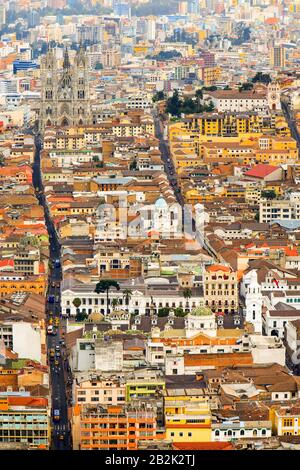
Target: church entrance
64	122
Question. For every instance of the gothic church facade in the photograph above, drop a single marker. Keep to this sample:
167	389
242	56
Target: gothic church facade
65	97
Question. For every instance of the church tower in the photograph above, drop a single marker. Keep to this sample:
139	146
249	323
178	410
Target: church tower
274	96
253	303
65	97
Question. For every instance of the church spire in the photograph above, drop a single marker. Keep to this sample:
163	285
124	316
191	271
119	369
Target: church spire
66	64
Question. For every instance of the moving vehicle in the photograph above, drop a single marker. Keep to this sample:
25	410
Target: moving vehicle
57	263
56	321
57	348
56	362
57	299
50	330
52	354
52	284
51	299
61	437
56	415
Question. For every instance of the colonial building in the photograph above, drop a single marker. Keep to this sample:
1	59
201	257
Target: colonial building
221	289
65	99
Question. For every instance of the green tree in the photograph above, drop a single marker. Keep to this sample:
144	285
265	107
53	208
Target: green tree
174	104
210	107
159	96
199	98
80	316
246	86
187	294
163	311
114	303
262	78
179	312
268	194
77	302
127	294
104	286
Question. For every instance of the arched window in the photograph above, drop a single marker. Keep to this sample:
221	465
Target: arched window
242	432
217	432
64	122
263	432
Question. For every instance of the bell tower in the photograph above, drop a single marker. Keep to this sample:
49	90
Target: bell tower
253	303
274	96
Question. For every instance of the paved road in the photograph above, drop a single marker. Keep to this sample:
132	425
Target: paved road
168	162
172	176
291	122
60	430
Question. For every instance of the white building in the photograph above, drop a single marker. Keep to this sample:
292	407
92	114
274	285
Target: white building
153	294
254	302
235	429
23	338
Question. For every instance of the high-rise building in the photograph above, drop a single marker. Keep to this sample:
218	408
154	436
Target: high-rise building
151	29
65	97
277	56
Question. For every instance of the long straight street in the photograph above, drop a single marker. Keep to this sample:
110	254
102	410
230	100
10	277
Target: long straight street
60	428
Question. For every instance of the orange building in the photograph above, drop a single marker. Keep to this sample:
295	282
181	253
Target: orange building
100	427
14	282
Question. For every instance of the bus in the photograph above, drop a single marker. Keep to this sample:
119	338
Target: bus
56	415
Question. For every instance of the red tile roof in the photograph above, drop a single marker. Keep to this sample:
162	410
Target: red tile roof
261	170
27	401
218	267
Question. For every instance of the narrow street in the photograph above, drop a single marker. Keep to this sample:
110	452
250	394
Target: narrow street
60	429
291	123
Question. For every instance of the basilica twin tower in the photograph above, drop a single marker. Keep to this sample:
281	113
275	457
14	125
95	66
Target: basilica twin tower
65	96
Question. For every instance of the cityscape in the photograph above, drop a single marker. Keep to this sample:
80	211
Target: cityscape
149	226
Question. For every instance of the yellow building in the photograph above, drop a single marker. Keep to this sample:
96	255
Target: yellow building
187	419
12	283
285	420
209	75
143	387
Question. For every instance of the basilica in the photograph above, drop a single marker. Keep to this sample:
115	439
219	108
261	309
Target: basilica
65	99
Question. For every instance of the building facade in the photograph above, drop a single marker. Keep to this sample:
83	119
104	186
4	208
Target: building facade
65	98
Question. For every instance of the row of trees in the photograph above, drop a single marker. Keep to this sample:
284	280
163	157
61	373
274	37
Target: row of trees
105	285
